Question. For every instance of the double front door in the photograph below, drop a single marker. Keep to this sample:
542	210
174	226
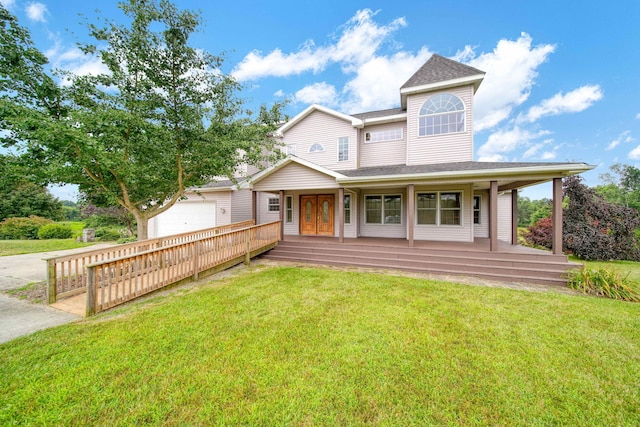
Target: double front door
316	214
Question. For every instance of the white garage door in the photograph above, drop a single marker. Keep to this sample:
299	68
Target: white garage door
186	216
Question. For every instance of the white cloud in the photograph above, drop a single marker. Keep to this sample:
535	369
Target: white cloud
75	61
8	4
511	70
635	153
575	101
550	155
279	94
505	141
36	12
320	93
638	116
623	137
360	39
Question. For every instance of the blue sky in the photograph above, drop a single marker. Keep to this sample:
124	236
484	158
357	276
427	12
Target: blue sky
561	84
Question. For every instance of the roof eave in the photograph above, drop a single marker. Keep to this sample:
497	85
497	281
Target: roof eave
385	119
474	80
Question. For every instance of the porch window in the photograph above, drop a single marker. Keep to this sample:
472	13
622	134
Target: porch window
289	209
439	208
347	208
441	114
343	149
383	209
274	204
476	209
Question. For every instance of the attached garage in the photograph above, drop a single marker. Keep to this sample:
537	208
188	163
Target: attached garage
183	217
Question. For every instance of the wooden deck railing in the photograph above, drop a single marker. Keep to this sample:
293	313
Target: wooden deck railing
66	275
116	281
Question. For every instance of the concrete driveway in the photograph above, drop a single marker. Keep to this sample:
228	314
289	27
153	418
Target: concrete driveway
18	317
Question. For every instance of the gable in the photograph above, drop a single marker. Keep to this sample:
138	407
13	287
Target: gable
295	176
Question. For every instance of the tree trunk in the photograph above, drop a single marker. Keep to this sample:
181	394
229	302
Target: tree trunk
143	227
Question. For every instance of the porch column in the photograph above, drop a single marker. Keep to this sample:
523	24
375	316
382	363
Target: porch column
514	216
341	215
556	227
411	206
493	216
254	206
281	214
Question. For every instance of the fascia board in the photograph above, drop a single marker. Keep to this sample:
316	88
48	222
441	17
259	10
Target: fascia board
476	79
385	119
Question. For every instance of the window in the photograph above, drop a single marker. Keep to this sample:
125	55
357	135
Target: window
436	208
288	209
383	209
383	135
476	210
291	149
347	208
343	149
274	204
441	114
316	148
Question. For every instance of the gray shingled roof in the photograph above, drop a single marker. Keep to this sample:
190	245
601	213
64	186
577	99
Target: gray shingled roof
379	113
223	183
439	69
439	167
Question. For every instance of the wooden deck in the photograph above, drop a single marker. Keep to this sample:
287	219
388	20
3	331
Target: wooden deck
511	263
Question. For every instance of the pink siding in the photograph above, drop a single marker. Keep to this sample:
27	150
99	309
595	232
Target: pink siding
240	205
482	229
294	177
321	128
446	148
383	153
504	217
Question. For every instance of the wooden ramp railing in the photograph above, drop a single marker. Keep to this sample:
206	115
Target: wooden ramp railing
116	281
66	275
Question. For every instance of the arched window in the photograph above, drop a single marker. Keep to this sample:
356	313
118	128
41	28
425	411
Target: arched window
440	114
316	148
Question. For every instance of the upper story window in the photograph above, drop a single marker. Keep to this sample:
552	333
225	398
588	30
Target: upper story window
291	149
343	149
441	114
383	135
316	148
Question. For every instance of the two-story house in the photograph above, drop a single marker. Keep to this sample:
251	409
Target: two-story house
405	173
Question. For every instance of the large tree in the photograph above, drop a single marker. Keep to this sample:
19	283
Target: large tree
162	119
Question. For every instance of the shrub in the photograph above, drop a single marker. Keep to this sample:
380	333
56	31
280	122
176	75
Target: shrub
55	231
602	282
108	233
540	233
22	228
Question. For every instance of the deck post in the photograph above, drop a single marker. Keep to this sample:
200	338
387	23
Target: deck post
341	215
556	236
51	281
254	206
411	199
91	291
493	216
281	215
196	263
247	256
514	216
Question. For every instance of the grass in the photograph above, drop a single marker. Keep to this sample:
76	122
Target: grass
19	247
630	268
307	346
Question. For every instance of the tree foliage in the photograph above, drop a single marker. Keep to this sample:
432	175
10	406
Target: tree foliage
596	229
530	211
621	186
162	119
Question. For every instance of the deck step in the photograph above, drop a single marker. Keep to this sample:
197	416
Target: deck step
511	267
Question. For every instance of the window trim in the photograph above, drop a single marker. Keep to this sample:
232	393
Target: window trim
273	207
439	208
369	141
463	112
479	210
348	141
382	215
288	209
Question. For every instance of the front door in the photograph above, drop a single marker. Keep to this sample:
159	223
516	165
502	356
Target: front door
316	215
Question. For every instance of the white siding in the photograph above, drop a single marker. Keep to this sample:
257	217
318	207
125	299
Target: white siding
504	217
398	231
456	147
383	153
294	177
241	205
321	128
453	233
482	229
263	214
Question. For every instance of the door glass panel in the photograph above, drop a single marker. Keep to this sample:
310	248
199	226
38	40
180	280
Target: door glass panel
325	211
308	211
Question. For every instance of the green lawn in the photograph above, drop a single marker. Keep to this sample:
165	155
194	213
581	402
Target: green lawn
312	346
631	268
18	247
